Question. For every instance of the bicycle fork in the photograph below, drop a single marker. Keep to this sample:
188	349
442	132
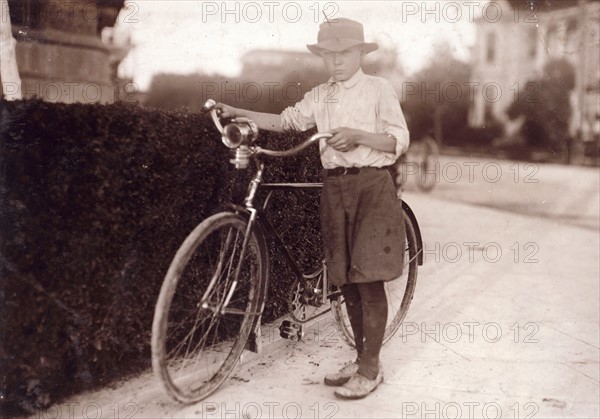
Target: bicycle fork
252	188
241	259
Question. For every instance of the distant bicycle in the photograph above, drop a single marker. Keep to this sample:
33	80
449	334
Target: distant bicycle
421	161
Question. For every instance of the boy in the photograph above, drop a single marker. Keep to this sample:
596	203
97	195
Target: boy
361	217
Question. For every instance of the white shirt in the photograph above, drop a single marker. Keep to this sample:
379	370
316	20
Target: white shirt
362	102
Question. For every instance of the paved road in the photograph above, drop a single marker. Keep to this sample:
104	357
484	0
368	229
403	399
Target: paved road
569	194
504	322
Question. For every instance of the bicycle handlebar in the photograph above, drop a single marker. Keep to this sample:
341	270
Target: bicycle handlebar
209	106
287	153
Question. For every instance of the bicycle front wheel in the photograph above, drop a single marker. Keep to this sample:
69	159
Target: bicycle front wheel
210	300
399	292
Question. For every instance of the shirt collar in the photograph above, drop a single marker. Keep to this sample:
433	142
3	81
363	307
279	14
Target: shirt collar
351	82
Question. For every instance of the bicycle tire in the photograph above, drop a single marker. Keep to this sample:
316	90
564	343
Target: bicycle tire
196	340
428	165
399	293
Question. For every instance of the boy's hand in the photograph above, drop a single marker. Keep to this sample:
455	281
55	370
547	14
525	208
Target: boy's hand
344	139
227	111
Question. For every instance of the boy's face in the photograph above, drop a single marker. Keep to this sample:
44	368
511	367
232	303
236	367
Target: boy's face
342	65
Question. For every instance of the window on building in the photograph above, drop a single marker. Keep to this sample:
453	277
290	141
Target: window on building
572	26
552	40
571	38
532	42
491	47
488	113
594	31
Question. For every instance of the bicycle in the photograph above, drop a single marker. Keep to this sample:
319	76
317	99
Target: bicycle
211	301
421	160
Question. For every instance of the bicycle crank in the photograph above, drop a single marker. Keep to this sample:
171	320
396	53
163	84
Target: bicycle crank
291	330
305	307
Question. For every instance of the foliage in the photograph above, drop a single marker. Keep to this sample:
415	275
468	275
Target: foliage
437	100
272	92
95	201
545	106
478	137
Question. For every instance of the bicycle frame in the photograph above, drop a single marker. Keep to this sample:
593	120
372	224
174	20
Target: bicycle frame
327	294
256	184
257	214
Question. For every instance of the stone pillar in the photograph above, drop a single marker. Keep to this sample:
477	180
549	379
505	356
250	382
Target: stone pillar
10	82
59	52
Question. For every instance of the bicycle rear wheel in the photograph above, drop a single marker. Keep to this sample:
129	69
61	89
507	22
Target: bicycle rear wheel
203	316
399	292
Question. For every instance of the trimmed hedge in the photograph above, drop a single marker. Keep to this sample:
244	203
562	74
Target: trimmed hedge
95	201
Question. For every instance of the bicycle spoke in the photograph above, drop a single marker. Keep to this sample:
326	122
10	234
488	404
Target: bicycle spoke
219	271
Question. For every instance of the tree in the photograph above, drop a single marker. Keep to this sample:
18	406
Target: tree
546	108
438	100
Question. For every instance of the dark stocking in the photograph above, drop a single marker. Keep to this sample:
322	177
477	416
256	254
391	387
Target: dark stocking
366	304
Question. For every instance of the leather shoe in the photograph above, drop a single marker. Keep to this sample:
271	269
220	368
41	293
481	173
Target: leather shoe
358	386
342	376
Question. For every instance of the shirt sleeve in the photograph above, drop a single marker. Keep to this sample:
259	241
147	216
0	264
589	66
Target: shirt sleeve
391	119
301	116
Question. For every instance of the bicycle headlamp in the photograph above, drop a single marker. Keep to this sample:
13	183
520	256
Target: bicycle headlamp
241	131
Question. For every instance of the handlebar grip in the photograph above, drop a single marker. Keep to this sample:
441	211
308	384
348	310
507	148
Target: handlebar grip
210	106
214	114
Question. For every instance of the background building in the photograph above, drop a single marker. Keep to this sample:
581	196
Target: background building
514	43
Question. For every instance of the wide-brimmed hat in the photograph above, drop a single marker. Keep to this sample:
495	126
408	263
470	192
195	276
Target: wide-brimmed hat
340	34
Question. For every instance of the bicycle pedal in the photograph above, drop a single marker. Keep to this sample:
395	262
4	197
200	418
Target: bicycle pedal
290	330
314	300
